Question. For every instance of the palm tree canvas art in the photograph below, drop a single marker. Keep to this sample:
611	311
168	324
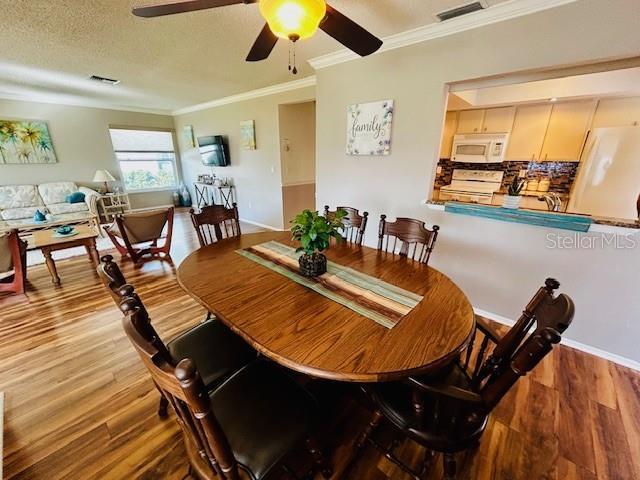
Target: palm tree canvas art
25	142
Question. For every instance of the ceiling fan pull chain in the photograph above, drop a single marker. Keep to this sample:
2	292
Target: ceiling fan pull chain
295	70
290	56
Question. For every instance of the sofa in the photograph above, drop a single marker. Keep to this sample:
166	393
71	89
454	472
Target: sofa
20	202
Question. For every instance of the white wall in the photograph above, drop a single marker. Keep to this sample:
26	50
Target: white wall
499	265
256	173
81	140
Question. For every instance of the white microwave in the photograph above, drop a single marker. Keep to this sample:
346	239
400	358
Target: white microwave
479	148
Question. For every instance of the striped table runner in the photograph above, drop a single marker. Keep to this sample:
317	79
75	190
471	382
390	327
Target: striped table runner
379	301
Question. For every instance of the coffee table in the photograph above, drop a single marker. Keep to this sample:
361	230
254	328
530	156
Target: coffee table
48	243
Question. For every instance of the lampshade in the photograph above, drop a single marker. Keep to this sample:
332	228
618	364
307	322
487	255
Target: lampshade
103	176
293	19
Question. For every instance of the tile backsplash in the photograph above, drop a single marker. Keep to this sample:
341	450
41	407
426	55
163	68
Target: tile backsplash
562	174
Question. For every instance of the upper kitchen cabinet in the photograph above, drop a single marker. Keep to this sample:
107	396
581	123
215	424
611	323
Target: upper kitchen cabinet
450	124
498	120
491	120
617	112
567	131
527	136
470	121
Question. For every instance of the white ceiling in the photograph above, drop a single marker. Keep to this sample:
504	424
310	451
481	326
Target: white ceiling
620	83
52	47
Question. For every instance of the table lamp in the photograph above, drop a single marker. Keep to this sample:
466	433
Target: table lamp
105	177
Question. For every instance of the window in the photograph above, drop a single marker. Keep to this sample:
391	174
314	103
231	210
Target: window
147	158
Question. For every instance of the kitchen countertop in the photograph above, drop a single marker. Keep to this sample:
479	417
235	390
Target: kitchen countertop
533	193
606	221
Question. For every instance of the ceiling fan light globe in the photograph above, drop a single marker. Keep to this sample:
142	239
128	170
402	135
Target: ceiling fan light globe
293	18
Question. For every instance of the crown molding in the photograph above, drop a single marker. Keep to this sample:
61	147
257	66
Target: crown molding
80	102
260	92
494	14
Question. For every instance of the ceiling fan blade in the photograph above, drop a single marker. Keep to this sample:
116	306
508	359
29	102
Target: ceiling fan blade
349	33
160	9
263	45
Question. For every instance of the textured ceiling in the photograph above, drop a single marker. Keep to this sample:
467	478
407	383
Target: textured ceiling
51	47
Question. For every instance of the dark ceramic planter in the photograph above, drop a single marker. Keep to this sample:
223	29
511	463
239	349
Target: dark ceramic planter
313	265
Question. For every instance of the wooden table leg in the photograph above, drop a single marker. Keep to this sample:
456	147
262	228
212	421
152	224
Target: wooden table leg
51	265
92	250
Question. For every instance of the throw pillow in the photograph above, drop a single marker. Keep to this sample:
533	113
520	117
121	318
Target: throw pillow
75	197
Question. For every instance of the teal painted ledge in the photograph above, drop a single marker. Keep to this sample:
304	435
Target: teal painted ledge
576	223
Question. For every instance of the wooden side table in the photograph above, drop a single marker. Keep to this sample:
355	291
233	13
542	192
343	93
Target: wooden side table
111	204
45	241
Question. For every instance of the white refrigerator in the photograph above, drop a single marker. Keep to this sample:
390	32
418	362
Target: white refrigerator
608	180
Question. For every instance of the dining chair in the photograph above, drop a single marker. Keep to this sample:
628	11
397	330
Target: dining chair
13	263
243	429
215	222
448	413
215	349
354	223
136	234
405	233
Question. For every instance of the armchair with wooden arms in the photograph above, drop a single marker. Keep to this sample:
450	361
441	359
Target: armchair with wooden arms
13	263
449	413
136	234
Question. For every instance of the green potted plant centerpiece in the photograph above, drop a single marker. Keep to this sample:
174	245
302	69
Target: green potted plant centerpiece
314	233
512	199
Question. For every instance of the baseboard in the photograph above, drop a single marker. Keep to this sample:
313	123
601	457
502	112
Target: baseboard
620	360
262	225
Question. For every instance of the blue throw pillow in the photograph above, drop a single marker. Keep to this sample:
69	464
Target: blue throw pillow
75	197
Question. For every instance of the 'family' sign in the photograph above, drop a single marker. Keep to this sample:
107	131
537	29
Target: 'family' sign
369	128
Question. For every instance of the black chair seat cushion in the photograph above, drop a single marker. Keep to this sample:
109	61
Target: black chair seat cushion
443	426
264	414
216	351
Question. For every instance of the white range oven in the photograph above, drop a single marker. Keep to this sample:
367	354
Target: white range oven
479	148
472	186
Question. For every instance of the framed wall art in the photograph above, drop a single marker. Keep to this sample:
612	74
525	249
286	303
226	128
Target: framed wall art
248	135
25	142
369	128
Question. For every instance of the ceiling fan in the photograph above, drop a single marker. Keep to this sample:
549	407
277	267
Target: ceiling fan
289	19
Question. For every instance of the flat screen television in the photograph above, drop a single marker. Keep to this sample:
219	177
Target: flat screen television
214	151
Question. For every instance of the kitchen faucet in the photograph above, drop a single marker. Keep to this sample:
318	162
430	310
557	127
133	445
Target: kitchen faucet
554	203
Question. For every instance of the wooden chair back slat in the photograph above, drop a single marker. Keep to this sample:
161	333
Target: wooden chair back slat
215	222
187	394
410	238
355	224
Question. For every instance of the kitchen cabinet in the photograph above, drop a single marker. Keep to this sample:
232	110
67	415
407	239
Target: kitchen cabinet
470	121
529	129
450	125
566	131
498	120
617	112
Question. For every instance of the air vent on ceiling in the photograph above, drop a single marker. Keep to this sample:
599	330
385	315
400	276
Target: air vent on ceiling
461	10
109	81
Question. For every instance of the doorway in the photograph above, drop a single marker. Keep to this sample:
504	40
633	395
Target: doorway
297	127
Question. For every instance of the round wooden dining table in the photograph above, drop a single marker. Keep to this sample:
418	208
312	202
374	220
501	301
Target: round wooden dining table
310	333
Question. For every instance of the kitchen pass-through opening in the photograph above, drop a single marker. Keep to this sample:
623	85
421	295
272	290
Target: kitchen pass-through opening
569	137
